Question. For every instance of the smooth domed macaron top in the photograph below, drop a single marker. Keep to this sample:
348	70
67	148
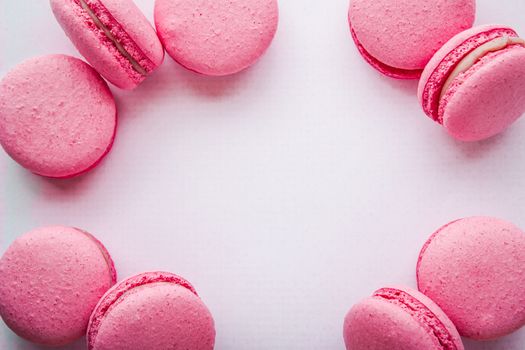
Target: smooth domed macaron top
399	318
114	36
57	116
151	311
50	281
399	37
216	37
474	269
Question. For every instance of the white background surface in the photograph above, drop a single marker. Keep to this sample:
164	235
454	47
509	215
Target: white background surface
285	193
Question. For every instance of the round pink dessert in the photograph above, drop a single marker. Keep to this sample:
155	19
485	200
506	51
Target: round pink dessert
50	281
216	37
57	116
398	38
114	36
475	84
151	311
474	269
399	319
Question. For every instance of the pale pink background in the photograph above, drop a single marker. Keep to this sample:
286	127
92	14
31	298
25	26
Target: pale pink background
285	193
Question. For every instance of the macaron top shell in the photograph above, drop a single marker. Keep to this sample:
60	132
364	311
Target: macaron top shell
474	269
399	37
399	318
57	116
216	37
114	36
151	311
488	98
50	281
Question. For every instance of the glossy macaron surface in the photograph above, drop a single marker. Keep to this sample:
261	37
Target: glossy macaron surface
216	37
486	98
151	311
114	36
57	116
50	281
399	319
398	38
474	269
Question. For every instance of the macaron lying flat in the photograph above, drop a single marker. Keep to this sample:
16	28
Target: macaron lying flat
475	84
399	319
398	38
474	269
151	311
216	37
114	36
50	281
57	116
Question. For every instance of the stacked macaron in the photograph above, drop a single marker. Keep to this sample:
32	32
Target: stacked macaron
58	117
471	79
471	281
58	283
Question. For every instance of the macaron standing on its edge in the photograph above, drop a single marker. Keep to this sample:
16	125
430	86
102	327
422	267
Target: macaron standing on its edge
151	311
475	84
114	36
50	281
474	269
216	37
398	38
57	116
399	319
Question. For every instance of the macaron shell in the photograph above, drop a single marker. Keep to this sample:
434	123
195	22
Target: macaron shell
474	269
157	311
50	281
94	45
406	34
488	98
376	324
137	26
57	116
216	37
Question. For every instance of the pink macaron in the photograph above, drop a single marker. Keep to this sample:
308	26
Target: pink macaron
114	36
398	38
399	319
57	116
216	37
151	311
474	269
50	281
475	84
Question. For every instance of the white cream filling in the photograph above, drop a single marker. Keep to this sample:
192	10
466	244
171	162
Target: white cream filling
472	58
111	37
